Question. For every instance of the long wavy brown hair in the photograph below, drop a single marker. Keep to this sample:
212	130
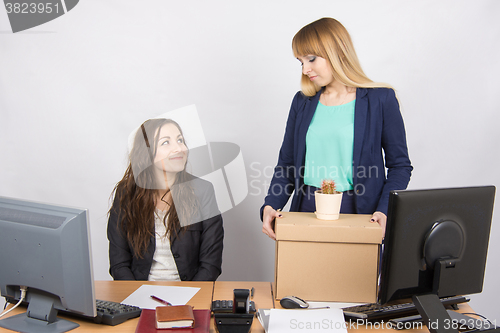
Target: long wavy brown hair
138	192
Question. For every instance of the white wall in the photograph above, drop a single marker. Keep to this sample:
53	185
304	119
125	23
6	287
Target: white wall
71	91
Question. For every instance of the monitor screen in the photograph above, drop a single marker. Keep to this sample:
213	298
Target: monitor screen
47	249
436	242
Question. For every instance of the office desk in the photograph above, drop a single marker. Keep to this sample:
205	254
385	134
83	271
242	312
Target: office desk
117	291
463	308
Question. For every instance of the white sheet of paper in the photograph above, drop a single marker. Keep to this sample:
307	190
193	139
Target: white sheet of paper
321	320
175	295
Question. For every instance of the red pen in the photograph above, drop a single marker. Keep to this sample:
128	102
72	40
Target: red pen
160	300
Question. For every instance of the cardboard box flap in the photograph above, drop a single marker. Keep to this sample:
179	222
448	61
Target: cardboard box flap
349	228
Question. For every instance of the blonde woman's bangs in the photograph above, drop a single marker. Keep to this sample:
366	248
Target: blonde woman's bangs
306	42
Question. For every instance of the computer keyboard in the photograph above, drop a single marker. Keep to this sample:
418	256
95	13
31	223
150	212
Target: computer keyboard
113	313
374	311
110	313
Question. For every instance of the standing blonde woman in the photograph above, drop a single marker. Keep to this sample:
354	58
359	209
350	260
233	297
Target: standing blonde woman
342	125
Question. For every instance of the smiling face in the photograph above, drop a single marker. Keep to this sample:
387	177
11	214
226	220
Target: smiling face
171	152
317	69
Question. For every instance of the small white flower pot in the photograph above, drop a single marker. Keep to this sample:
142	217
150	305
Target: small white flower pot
327	205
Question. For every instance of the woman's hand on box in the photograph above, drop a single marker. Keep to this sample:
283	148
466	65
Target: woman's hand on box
381	219
268	217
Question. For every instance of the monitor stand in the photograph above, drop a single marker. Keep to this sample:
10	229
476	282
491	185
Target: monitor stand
41	317
442	248
433	313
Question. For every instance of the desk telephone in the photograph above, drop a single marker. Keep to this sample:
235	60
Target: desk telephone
235	316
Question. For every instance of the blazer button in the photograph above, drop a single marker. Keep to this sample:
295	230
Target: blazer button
176	255
184	278
357	191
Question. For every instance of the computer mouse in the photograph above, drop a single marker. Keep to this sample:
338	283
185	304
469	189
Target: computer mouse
293	302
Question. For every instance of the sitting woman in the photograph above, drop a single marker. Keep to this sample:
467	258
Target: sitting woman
164	223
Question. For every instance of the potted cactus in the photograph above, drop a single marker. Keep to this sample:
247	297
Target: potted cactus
328	201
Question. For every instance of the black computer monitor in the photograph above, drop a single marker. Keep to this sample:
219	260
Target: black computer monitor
47	249
435	246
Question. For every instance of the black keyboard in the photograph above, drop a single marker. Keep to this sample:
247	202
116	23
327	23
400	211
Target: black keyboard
109	313
113	313
374	311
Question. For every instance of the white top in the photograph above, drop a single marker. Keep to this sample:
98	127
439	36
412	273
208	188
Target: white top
163	267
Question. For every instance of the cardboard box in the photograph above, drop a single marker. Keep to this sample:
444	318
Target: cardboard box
334	261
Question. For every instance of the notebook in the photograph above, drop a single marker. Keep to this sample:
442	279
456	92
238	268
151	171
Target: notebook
147	320
176	316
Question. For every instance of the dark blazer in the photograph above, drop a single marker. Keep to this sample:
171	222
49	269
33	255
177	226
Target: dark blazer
197	251
378	126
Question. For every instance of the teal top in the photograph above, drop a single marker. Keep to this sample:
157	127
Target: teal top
329	146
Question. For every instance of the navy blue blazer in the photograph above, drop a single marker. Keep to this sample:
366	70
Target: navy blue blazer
378	127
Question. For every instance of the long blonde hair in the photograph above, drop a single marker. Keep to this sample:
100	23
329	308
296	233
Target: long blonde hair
329	39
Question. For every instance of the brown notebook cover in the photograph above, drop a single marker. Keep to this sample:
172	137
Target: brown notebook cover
147	321
174	316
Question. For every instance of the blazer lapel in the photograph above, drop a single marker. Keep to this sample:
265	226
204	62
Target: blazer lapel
360	114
